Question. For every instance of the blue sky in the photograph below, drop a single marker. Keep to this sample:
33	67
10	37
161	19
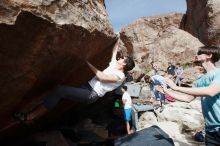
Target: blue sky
124	12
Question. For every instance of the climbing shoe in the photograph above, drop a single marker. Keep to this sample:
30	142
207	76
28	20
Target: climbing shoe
21	116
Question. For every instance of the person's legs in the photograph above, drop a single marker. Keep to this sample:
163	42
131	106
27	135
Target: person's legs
179	83
82	94
127	118
157	100
127	127
72	93
162	98
162	101
178	80
157	95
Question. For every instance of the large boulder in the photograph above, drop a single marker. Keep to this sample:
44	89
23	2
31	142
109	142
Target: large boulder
159	39
202	20
45	43
180	120
188	115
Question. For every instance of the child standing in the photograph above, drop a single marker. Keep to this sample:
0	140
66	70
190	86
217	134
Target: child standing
127	105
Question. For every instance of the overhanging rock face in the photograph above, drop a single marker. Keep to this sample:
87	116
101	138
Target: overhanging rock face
45	43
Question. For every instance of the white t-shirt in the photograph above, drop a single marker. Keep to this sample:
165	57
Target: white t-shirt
128	102
101	88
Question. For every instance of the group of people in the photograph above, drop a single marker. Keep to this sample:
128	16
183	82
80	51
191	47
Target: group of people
158	79
207	86
176	71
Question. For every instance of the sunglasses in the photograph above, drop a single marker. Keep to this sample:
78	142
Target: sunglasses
197	63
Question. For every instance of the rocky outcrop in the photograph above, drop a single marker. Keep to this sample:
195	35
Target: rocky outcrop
180	120
202	20
145	30
45	43
159	39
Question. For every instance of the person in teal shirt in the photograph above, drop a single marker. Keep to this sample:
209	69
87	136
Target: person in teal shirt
207	86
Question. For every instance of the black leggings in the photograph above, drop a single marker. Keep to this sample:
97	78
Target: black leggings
212	138
85	93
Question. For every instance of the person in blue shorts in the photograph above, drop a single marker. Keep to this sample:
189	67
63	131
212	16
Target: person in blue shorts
127	106
207	86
